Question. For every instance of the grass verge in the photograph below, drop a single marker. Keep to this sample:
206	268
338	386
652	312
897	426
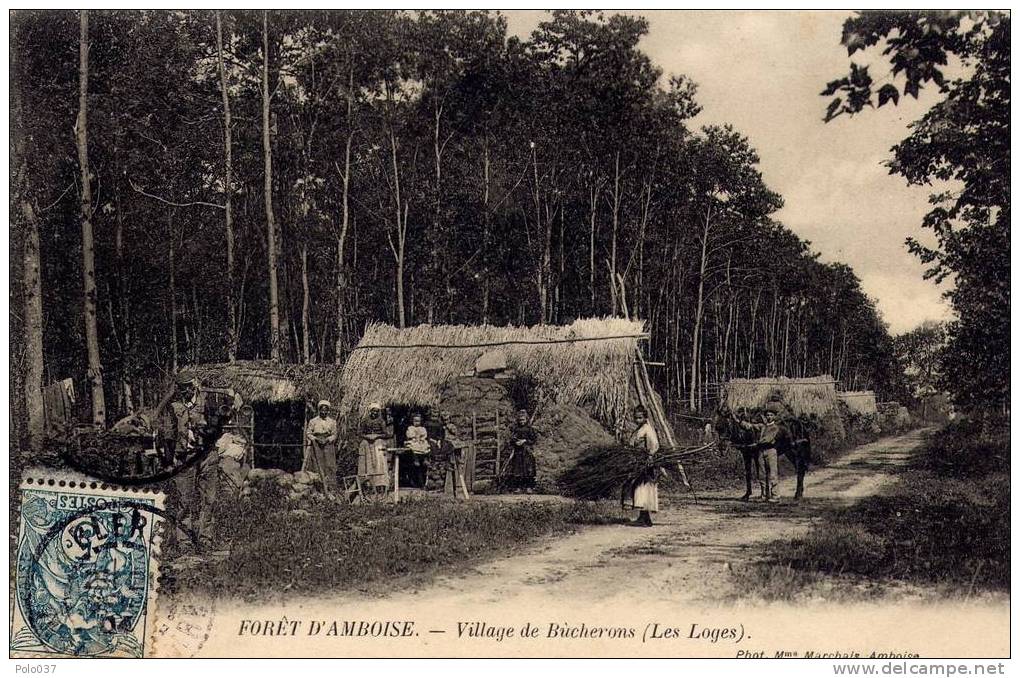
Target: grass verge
944	525
369	548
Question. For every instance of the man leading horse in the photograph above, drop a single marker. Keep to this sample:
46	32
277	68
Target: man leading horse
764	440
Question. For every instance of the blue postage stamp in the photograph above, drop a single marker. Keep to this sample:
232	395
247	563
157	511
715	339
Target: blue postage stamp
87	568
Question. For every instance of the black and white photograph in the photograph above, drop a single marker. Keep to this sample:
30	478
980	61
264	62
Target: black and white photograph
503	333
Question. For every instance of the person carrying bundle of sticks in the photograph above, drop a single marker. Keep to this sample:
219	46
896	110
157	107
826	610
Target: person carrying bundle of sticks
643	494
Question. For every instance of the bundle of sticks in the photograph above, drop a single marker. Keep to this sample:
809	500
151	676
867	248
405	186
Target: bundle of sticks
604	470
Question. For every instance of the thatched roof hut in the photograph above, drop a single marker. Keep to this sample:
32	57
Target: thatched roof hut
859	402
589	362
264	381
277	397
803	395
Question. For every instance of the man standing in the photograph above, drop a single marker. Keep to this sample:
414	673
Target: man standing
198	484
320	452
768	440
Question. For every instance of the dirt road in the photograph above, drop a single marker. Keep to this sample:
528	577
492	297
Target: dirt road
687	556
616	590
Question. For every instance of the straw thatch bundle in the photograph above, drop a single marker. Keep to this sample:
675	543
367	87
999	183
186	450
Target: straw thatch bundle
411	366
803	395
263	381
859	402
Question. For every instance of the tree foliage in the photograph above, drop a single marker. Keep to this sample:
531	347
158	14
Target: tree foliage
960	147
427	167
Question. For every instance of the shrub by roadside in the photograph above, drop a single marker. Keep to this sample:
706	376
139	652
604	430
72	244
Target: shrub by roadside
944	523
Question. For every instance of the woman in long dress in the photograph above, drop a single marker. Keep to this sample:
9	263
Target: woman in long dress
645	493
320	450
372	466
520	467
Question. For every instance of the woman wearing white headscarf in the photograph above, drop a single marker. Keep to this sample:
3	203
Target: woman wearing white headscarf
372	466
320	452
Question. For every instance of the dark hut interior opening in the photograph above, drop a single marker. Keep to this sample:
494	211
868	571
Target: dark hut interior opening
401	418
279	434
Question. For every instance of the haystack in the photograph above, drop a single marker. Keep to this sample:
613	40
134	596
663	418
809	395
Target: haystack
565	431
803	395
862	403
589	363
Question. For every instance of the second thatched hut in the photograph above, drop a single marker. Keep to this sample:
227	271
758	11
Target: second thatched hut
804	396
278	399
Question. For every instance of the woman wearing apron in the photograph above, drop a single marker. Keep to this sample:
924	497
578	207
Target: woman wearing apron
644	495
372	466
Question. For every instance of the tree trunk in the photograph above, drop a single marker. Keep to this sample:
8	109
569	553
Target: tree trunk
593	215
306	325
695	396
487	177
786	342
33	383
95	366
616	227
125	338
751	343
546	272
345	219
228	193
173	295
729	318
542	282
563	270
400	212
267	151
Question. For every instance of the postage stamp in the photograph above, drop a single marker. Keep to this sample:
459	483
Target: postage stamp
87	568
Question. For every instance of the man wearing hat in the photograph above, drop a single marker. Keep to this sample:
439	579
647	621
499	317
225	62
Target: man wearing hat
768	438
198	484
320	452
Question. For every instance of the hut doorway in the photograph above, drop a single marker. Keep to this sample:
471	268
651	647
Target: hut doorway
279	434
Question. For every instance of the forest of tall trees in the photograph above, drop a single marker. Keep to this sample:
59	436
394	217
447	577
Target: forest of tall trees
207	186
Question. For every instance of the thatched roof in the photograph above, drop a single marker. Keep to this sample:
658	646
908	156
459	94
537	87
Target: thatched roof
263	381
804	395
860	402
589	362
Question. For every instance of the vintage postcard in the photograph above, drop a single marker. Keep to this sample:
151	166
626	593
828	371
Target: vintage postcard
510	333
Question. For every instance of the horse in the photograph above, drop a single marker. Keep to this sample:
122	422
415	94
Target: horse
793	442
